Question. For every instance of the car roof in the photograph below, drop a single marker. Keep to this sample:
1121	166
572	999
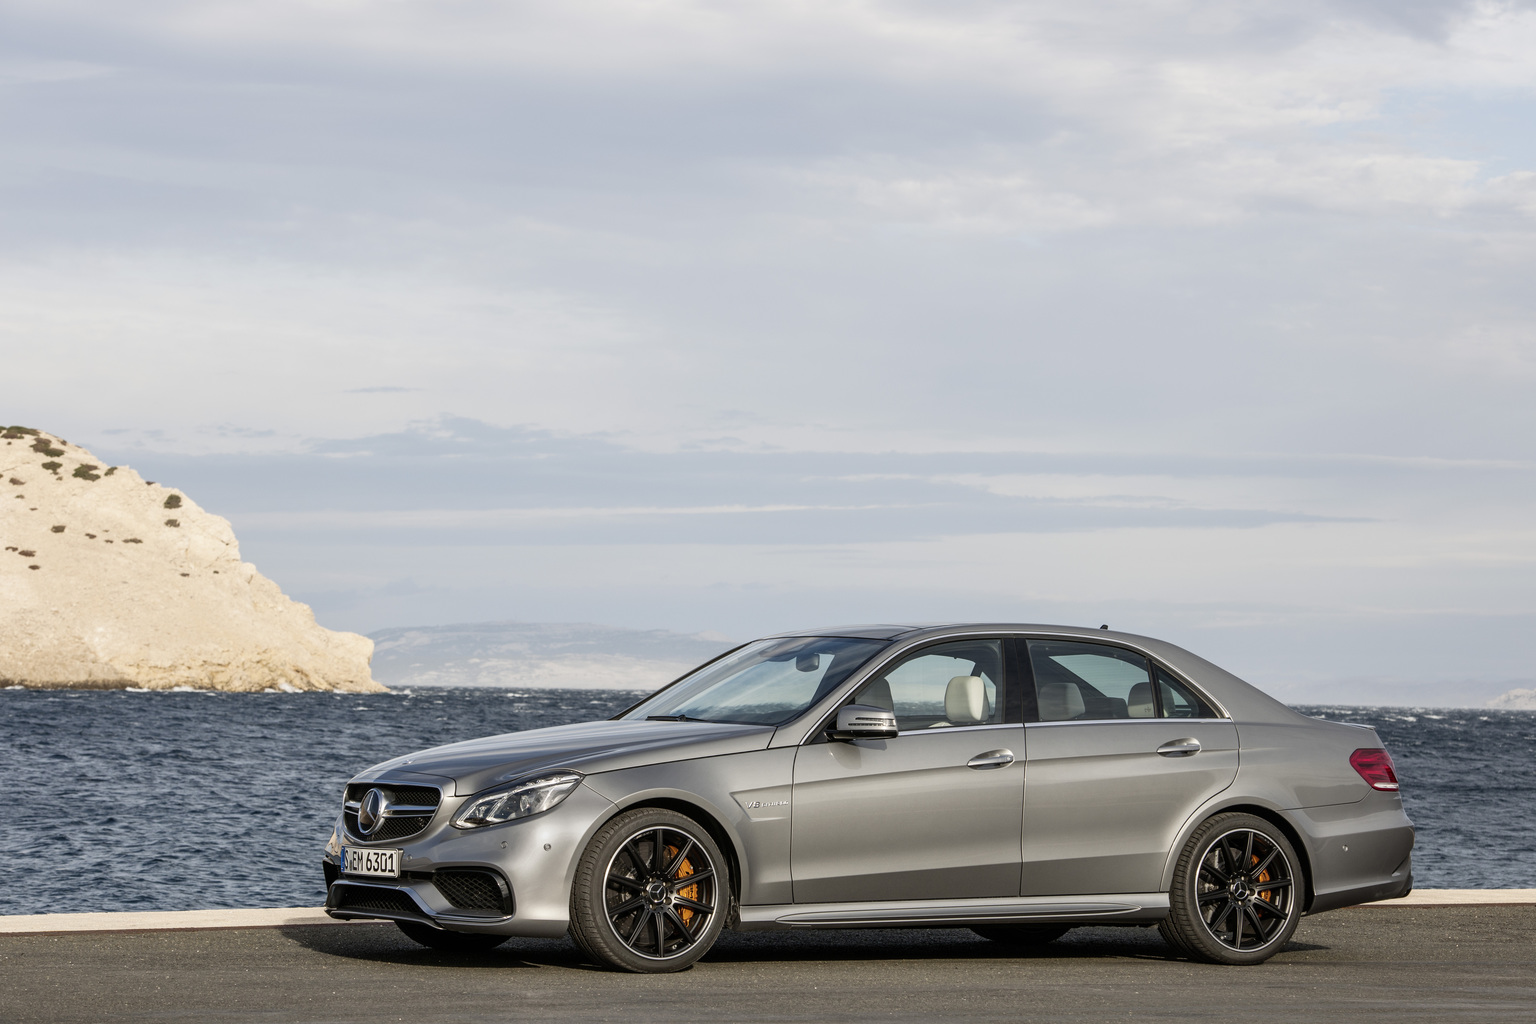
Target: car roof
911	630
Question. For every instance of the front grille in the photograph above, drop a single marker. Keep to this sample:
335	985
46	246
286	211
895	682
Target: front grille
423	795
395	826
468	889
388	901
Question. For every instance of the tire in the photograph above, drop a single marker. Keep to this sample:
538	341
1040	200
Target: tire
1022	934
1237	892
635	911
450	942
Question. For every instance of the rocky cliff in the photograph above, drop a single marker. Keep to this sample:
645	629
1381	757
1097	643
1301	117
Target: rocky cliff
1515	700
108	580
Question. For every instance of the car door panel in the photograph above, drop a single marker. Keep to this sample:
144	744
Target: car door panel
1103	808
905	818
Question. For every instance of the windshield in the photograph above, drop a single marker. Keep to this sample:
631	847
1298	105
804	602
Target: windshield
767	682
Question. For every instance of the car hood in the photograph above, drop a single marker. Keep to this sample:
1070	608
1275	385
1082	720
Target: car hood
588	747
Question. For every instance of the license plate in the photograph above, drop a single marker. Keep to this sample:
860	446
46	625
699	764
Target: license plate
377	863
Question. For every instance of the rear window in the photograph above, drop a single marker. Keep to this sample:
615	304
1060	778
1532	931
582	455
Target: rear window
1087	682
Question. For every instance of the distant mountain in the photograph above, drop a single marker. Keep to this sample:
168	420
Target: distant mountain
538	654
1515	700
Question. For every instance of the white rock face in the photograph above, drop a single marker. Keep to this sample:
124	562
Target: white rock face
106	581
1515	700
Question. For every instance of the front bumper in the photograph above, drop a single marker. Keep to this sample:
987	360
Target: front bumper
533	861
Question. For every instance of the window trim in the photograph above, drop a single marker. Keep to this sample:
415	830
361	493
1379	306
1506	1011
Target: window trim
819	722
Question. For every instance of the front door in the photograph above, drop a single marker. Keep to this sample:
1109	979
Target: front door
934	813
1123	754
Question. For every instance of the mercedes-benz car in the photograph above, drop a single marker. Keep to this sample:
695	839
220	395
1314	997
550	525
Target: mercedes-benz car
1016	780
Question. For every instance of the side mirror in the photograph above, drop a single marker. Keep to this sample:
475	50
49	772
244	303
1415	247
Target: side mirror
864	722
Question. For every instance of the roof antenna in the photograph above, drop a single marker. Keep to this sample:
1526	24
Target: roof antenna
1105	626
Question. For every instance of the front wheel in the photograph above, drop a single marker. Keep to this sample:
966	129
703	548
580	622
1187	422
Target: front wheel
1237	892
651	892
450	942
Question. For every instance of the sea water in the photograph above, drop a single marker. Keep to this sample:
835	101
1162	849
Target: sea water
119	800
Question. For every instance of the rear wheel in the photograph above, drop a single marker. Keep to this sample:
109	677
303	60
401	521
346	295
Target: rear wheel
1022	934
1236	894
452	942
651	892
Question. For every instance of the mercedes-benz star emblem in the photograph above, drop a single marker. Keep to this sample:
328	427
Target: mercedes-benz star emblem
370	813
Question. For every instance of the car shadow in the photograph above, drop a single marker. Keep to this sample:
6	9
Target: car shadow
384	944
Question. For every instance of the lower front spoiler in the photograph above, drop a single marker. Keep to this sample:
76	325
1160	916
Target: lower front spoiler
360	901
348	901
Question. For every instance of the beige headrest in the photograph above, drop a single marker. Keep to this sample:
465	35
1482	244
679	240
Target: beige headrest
1060	702
1138	703
965	702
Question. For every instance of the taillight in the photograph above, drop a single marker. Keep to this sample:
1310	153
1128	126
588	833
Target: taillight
1375	767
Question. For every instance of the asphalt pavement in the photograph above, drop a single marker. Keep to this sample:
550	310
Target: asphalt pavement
1366	964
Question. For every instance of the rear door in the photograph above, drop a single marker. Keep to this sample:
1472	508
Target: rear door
933	813
1120	754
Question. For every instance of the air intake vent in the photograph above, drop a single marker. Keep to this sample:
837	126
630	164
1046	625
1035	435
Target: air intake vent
468	889
375	898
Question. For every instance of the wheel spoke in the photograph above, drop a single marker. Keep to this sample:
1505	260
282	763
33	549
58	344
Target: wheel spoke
640	922
676	919
697	876
1258	926
1212	896
623	908
1263	865
1269	907
683	901
1233	867
1276	883
631	850
1248	852
625	883
1221	916
658	850
677	862
1209	867
1237	928
661	934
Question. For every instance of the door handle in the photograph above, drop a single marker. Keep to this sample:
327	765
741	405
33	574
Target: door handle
991	759
1179	748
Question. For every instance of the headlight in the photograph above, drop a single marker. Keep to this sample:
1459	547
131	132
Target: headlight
531	796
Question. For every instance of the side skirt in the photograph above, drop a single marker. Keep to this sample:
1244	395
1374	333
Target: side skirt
1130	908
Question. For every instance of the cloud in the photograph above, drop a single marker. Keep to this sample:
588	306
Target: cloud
1221	312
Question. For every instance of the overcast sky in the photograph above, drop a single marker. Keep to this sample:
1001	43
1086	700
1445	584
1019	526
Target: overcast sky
1213	321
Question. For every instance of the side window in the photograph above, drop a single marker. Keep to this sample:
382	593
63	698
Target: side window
940	687
1079	682
1179	701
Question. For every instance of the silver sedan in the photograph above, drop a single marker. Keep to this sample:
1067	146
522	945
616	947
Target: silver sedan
1016	780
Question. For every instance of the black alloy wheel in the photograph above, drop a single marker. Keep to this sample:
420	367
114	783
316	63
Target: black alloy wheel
1237	892
651	893
450	942
1021	934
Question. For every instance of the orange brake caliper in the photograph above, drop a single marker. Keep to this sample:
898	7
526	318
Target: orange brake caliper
691	892
1267	895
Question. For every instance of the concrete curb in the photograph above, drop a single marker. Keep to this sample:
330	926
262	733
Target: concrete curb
165	921
192	920
1450	898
